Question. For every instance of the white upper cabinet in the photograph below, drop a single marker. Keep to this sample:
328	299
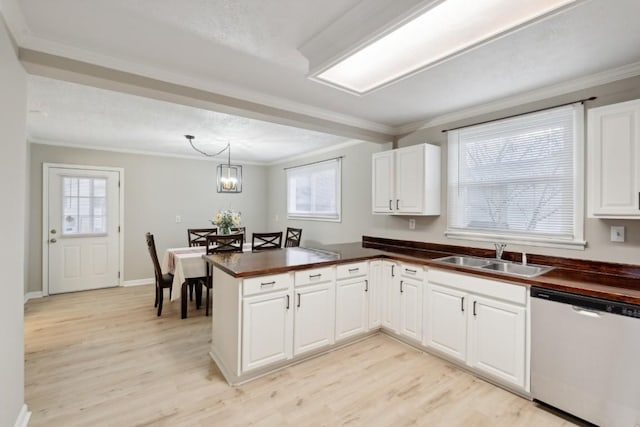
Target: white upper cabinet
614	161
406	181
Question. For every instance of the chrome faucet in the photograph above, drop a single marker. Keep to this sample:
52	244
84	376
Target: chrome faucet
499	249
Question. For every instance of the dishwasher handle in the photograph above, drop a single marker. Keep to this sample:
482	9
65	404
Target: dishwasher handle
585	312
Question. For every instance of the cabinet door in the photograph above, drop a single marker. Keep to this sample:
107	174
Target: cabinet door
383	193
351	307
390	296
446	321
411	308
410	179
497	333
375	287
314	317
614	160
267	329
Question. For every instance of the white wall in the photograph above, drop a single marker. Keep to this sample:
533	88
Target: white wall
356	197
12	226
597	231
156	190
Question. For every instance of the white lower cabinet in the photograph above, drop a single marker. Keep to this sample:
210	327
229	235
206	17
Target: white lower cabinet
480	322
497	339
376	286
446	323
351	307
314	317
410	310
390	296
267	329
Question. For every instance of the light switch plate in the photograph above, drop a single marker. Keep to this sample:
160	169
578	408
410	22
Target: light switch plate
617	234
178	219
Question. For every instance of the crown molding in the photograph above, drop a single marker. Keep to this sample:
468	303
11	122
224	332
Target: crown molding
580	83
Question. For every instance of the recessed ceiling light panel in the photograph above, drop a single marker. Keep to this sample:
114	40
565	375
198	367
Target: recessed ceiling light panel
441	32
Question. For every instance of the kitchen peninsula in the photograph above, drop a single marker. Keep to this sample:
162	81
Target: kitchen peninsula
275	308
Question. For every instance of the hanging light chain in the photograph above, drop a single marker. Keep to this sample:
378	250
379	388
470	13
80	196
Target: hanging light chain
190	138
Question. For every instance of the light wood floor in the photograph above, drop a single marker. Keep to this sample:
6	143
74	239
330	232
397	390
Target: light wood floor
103	358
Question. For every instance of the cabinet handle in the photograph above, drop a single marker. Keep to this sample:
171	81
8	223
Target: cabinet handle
462	304
397	204
268	283
392	267
474	308
408	270
638	199
313	276
390	207
401	290
366	285
351	270
299	300
287	301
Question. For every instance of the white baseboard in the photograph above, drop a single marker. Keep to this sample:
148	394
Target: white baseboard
138	282
32	295
23	417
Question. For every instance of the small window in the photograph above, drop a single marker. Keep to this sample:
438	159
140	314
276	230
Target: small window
313	191
84	205
519	179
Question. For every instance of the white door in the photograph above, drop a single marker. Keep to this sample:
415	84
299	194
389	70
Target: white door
497	339
409	179
383	197
314	317
411	308
83	229
267	330
374	288
390	296
446	322
351	307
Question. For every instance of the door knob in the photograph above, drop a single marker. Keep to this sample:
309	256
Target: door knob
53	231
53	240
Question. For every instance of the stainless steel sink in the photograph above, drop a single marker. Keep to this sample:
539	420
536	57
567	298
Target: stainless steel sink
467	261
517	269
497	266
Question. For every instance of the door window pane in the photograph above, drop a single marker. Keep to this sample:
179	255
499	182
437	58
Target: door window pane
84	205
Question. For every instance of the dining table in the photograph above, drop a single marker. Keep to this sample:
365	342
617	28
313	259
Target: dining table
186	263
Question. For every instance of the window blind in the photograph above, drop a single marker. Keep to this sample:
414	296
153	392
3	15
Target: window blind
517	177
313	191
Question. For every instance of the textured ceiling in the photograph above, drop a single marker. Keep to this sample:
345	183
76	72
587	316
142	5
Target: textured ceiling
249	50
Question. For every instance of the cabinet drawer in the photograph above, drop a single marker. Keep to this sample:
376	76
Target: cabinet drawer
356	269
262	284
413	271
316	275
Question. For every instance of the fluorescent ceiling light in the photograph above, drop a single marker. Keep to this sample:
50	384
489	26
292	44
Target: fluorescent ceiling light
443	31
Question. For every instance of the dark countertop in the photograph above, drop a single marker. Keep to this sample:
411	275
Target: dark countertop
583	282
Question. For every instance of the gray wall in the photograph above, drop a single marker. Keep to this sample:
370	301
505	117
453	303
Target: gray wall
12	228
356	197
597	231
156	189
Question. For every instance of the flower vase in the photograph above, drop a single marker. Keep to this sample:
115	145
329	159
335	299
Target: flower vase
225	230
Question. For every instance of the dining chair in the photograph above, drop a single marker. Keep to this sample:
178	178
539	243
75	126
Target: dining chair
292	238
163	281
198	236
220	244
266	241
242	230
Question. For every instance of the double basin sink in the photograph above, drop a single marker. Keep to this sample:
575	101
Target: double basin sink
495	265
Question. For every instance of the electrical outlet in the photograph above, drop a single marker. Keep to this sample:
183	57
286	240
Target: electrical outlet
178	219
412	224
617	234
277	217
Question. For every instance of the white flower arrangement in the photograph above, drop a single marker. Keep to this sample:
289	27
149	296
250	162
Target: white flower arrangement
227	219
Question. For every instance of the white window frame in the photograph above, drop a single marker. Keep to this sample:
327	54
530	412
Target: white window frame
315	216
577	242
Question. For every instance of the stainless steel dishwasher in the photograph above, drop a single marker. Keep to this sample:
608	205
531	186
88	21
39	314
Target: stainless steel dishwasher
585	357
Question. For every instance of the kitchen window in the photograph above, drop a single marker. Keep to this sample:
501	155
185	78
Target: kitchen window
519	180
313	191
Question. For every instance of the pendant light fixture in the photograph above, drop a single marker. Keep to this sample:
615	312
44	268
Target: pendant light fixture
229	177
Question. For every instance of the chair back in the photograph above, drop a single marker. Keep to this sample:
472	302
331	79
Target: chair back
224	243
198	236
265	241
242	230
292	237
151	245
